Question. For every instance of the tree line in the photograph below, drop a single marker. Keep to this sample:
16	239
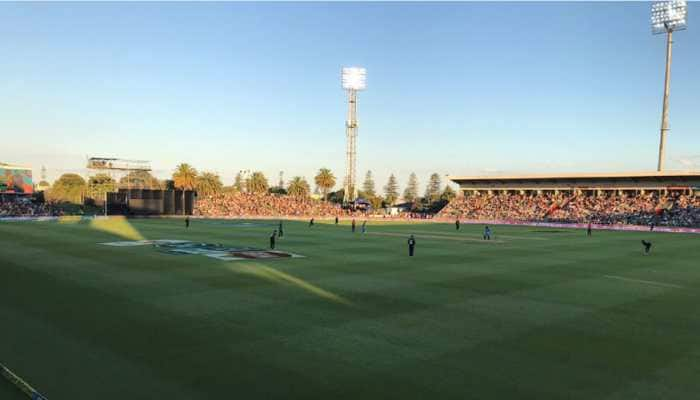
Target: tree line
72	188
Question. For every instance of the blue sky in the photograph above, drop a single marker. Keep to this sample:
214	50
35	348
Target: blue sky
453	88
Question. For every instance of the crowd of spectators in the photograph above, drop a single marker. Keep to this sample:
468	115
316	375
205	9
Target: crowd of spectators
675	210
678	210
25	209
265	205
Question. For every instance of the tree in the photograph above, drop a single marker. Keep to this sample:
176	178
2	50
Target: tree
238	183
298	187
278	190
432	190
410	194
257	183
448	194
325	180
208	183
391	190
375	201
69	188
100	184
337	196
185	178
140	180
368	185
168	184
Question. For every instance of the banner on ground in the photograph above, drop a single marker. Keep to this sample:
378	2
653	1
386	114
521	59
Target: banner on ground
217	251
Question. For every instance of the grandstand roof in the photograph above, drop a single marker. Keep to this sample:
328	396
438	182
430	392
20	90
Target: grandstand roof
624	180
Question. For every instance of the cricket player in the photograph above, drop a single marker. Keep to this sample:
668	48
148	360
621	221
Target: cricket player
647	247
272	239
457	224
411	245
487	233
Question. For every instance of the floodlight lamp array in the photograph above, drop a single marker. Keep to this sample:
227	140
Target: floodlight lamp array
354	78
669	16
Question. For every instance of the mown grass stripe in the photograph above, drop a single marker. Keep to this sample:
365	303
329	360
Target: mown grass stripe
653	283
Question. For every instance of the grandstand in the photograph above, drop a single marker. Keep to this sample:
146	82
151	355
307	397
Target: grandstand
656	198
586	183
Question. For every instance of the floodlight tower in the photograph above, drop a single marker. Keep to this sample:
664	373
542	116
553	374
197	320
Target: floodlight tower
666	17
353	80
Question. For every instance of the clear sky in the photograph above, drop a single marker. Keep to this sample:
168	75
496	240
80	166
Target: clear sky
453	88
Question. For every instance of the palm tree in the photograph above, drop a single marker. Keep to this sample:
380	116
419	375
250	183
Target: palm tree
208	183
298	187
257	183
325	180
185	178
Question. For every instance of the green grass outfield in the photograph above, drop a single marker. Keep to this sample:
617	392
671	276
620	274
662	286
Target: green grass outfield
536	313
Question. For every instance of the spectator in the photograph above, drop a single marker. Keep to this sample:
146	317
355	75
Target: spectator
25	209
266	205
667	210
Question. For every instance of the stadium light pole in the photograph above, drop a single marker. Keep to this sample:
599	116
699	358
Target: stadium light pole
353	79
666	17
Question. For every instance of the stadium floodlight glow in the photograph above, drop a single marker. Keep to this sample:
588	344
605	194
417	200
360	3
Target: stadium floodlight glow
354	78
669	15
666	17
